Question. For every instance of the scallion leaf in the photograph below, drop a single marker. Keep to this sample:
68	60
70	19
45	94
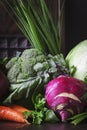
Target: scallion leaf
35	21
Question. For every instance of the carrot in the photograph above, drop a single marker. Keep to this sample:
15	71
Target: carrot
19	108
7	113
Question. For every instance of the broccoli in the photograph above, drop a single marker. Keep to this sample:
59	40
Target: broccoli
32	63
30	72
28	59
23	66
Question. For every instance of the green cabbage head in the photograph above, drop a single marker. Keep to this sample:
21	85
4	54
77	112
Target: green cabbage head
77	61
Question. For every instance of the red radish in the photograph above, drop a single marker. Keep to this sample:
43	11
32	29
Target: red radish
6	113
64	95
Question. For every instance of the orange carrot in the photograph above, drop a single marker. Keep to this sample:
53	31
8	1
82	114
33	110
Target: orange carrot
7	113
19	108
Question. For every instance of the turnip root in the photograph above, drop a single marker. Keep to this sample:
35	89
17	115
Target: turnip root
66	96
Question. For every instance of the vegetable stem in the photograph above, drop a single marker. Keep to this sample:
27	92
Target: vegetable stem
35	21
78	118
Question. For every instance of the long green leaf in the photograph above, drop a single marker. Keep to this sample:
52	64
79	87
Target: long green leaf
47	32
35	21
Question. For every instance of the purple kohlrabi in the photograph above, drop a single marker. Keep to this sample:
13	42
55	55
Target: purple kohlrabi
66	96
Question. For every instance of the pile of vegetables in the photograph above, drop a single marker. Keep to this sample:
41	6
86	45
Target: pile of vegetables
40	84
30	72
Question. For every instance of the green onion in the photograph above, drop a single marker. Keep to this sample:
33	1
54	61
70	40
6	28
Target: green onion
78	118
35	21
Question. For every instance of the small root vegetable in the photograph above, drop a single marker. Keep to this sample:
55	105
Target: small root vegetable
7	113
19	108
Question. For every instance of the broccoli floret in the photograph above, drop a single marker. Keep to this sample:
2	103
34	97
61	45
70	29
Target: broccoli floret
13	72
28	59
11	62
27	66
31	53
41	58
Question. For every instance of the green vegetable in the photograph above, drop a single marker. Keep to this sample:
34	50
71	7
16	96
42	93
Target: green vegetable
11	62
39	108
51	117
41	113
29	74
78	118
35	21
23	67
77	61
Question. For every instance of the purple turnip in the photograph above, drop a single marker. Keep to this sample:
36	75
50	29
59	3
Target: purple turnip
64	95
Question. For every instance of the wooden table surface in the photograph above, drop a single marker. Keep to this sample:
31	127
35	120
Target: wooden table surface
45	126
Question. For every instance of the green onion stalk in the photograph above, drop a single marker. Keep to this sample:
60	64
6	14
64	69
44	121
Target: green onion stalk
34	19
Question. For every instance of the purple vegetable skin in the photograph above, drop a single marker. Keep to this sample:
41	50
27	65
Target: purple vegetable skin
64	95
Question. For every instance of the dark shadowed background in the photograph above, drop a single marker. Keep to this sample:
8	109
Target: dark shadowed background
75	22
